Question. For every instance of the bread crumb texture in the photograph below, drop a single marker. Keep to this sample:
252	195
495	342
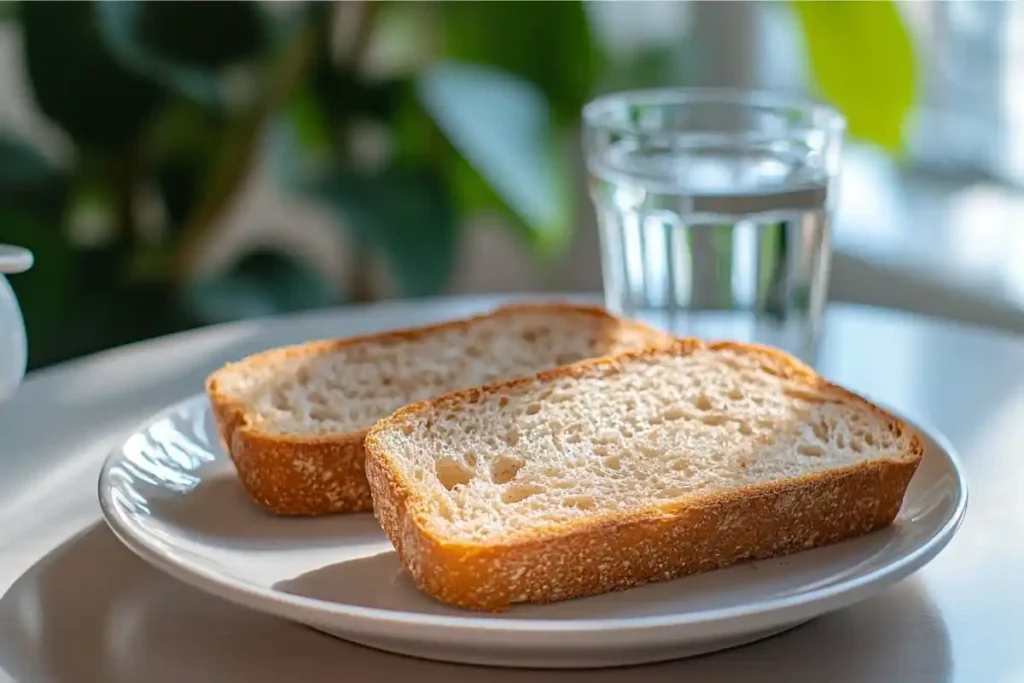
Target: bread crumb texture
632	460
293	419
347	388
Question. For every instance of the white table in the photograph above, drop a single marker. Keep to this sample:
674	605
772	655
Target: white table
936	244
77	607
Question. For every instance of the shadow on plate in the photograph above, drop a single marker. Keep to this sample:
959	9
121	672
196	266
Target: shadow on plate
219	510
381	582
378	580
91	612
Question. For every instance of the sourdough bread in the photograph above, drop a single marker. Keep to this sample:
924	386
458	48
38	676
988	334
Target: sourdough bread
620	471
293	419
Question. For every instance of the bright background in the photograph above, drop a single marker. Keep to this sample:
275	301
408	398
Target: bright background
177	164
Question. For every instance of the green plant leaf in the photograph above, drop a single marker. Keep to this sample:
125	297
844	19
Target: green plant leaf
502	125
179	144
404	214
179	187
77	82
184	46
548	44
862	59
45	292
203	35
262	282
345	94
27	180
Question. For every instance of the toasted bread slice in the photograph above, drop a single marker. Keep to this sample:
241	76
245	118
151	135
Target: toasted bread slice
620	471
293	419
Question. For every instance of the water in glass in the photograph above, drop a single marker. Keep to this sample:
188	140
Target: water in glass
716	236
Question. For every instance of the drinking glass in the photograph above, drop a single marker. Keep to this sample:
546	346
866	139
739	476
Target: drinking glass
713	208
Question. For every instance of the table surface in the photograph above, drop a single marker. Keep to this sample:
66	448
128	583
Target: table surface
77	607
946	244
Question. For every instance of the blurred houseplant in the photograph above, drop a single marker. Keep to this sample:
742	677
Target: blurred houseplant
168	106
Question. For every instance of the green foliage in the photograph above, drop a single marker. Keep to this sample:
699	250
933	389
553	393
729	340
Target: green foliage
45	292
231	32
77	82
863	62
262	282
184	46
417	235
523	163
28	180
548	44
171	105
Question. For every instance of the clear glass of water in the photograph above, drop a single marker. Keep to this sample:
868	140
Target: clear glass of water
713	208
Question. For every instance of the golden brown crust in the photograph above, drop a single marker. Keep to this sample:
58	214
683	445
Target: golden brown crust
620	550
292	474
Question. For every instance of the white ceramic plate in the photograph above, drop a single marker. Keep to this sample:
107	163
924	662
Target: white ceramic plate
169	493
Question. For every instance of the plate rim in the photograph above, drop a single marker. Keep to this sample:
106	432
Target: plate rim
300	608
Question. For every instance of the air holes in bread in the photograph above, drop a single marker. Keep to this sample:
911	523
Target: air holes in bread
520	492
683	465
820	431
810	449
650	450
580	502
560	396
746	429
533	408
469	457
674	413
612	462
735	394
505	468
280	400
503	401
321	413
713	420
869	439
452	473
703	402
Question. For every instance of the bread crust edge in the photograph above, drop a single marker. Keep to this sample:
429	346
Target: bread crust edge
315	475
661	542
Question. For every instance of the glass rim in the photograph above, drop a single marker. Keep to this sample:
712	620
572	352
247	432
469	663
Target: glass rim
831	119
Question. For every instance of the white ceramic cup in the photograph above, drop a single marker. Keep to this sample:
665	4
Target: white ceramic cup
13	342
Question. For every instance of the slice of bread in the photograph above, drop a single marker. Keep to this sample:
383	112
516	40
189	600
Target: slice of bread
293	419
644	467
